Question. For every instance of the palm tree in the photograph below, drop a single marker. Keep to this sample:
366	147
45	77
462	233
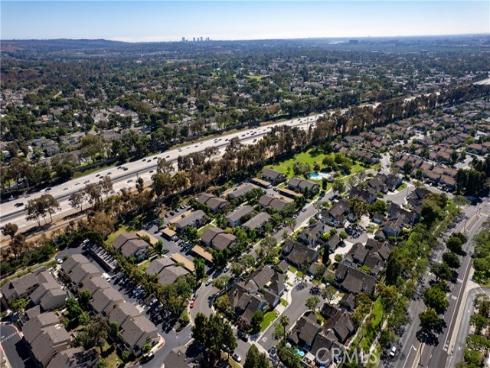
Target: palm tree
284	323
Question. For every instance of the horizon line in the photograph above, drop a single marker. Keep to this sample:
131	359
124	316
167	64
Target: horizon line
122	40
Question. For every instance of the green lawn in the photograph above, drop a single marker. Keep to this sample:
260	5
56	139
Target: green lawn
254	77
402	186
284	302
112	360
310	157
201	230
268	318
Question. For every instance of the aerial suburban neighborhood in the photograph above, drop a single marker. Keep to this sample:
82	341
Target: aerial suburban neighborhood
277	203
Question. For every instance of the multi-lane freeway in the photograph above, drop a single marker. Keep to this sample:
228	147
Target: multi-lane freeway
125	176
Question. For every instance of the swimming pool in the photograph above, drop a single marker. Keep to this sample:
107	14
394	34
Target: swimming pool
315	175
299	353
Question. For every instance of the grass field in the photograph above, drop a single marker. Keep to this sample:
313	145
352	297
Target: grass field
310	157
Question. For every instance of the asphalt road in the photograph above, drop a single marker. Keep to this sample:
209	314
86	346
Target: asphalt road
202	304
464	327
125	175
173	340
293	311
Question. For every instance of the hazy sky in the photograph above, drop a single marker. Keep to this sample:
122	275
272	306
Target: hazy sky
165	20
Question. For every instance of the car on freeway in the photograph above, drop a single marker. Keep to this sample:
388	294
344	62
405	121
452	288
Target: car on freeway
19	204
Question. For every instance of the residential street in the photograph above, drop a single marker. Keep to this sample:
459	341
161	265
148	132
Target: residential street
172	340
202	304
464	327
293	312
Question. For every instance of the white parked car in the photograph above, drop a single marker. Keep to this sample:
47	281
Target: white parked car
392	351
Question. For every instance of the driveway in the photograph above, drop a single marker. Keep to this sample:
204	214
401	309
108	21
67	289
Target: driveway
173	339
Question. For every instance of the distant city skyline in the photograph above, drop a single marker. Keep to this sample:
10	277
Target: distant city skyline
232	20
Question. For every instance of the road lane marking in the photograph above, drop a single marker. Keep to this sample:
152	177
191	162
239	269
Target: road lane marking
408	355
456	309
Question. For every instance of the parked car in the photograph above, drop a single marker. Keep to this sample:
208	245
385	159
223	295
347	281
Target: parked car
393	351
315	290
242	335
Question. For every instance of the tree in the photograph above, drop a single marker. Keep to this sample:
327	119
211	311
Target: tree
10	230
429	213
162	184
76	200
394	268
388	295
84	298
430	322
312	302
94	334
407	168
442	271
256	321
140	185
106	185
76	315
338	186
163	166
214	334
379	206
35	210
455	244
255	359
18	305
358	206
451	259
284	321
51	204
435	298
329	293
94	193
39	207
200	268
18	245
